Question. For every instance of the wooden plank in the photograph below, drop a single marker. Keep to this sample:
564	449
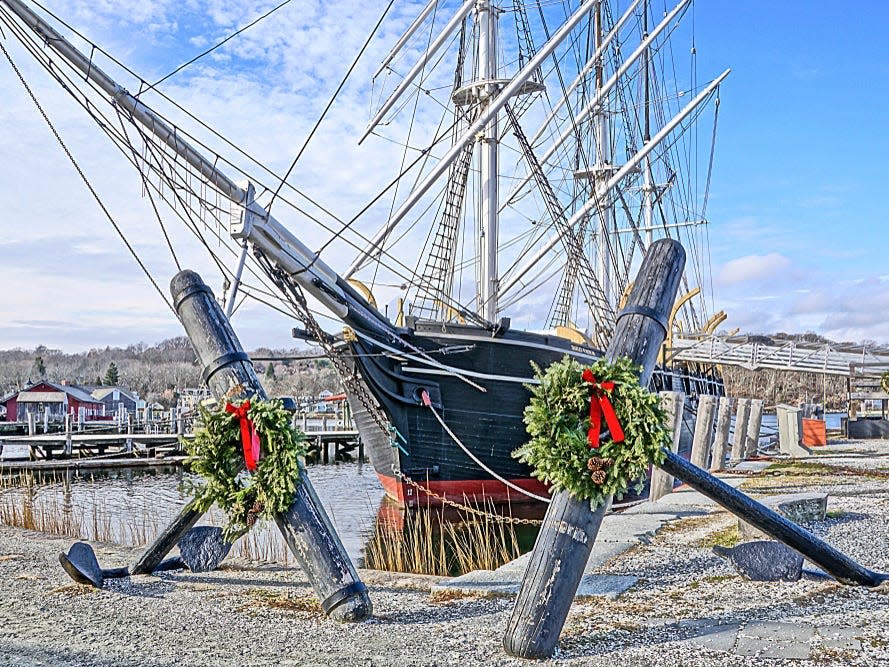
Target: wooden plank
569	529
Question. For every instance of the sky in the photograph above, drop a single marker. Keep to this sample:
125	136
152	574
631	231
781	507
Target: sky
795	207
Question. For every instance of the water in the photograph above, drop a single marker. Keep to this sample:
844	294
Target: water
131	506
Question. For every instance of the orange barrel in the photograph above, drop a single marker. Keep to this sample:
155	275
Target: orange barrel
814	432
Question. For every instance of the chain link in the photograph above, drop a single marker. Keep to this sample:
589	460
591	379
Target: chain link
466	508
349	376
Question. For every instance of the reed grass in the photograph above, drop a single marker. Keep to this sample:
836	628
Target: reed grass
429	543
423	542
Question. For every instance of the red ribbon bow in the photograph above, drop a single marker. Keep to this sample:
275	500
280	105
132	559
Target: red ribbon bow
249	436
600	405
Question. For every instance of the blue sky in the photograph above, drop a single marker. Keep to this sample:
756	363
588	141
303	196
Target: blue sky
795	210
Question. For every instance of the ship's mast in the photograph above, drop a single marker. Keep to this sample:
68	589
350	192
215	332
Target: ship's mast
486	69
648	180
603	168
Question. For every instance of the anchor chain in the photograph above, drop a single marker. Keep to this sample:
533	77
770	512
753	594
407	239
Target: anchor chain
352	383
463	507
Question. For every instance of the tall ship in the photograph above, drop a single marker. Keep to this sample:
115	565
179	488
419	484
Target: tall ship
542	148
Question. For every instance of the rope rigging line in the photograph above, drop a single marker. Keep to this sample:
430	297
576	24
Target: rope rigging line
85	180
428	403
213	48
329	104
228	142
147	191
70	86
410	132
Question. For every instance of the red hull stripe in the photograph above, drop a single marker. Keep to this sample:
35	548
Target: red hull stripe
473	490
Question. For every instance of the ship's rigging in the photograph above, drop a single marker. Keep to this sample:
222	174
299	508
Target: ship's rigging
562	220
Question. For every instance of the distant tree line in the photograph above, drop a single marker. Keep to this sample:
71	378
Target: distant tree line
157	372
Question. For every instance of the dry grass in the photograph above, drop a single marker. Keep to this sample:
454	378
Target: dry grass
444	597
72	590
426	543
260	598
727	537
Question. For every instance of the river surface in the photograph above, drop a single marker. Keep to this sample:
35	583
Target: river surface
131	506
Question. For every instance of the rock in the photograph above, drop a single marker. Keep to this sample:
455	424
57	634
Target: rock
764	560
82	565
203	548
798	507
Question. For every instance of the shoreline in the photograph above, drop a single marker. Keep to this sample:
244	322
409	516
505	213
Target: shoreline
688	606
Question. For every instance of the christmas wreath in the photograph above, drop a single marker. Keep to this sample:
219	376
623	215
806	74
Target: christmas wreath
568	449
248	458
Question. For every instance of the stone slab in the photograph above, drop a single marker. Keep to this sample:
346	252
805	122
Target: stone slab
770	648
491	583
716	637
775	639
840	639
778	631
751	466
801	508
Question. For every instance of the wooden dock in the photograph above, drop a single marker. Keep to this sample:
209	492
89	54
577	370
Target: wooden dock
332	446
68	445
73	449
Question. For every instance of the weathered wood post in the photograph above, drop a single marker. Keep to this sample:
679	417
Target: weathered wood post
32	423
305	525
129	440
700	447
720	441
739	441
569	529
673	403
69	442
754	424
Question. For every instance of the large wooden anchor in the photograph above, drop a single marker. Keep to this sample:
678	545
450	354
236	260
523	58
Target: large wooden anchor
305	525
570	528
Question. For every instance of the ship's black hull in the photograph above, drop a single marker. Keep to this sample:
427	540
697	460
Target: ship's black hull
476	385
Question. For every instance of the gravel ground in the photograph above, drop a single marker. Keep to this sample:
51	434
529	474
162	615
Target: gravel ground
249	614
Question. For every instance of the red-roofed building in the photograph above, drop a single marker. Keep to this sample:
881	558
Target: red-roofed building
59	399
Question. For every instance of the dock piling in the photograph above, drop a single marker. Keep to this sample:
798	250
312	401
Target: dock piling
739	441
700	448
673	403
754	424
720	440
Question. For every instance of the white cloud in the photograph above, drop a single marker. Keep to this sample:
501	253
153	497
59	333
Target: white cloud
753	268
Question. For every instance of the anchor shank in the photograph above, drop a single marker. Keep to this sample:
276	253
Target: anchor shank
838	564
